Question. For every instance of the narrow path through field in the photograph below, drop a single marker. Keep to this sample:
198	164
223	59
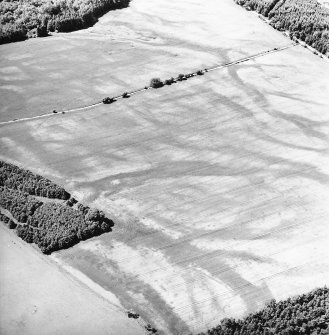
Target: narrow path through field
191	75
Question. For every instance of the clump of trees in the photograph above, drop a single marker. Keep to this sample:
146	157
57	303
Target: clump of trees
13	177
306	314
156	83
18	18
51	225
150	329
169	81
305	20
54	226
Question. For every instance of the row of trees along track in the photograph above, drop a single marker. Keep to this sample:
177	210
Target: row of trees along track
307	21
306	314
20	20
157	83
51	224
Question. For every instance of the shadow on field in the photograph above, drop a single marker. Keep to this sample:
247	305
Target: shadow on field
243	143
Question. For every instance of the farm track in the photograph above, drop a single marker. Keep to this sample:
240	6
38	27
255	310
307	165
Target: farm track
140	90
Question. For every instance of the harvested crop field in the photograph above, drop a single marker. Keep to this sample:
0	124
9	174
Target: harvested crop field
218	185
39	298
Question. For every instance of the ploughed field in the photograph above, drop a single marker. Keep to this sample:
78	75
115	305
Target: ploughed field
218	186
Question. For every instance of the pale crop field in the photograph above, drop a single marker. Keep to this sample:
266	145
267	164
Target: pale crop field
39	298
218	185
124	51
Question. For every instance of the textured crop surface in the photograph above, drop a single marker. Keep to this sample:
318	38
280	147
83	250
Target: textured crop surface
47	301
218	185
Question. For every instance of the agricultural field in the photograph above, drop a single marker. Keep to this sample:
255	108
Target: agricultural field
36	294
218	185
324	3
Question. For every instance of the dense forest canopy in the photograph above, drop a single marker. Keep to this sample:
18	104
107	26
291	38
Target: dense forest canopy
14	177
305	20
7	221
18	18
52	225
306	314
19	204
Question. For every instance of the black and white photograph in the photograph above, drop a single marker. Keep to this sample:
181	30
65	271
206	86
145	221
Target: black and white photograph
164	167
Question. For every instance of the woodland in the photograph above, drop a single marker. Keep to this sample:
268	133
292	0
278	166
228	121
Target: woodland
39	218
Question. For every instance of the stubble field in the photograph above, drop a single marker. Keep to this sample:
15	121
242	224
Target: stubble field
38	297
218	185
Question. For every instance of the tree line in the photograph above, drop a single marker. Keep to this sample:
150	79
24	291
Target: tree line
306	314
305	20
51	225
18	18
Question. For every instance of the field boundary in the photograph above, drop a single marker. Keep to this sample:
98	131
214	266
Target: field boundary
140	90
